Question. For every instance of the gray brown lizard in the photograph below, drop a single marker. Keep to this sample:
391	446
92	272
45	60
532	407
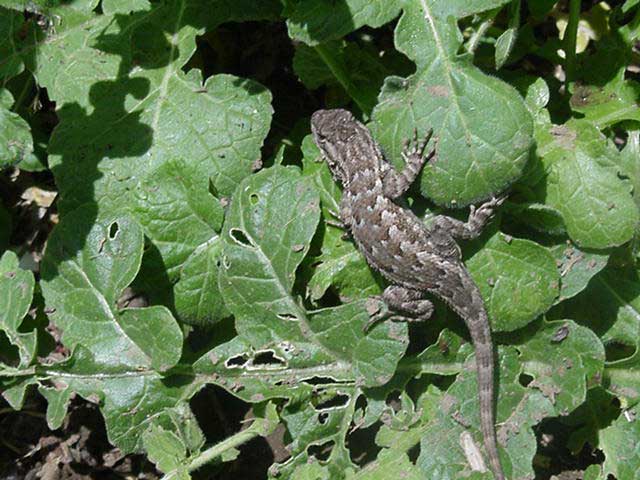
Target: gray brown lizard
415	258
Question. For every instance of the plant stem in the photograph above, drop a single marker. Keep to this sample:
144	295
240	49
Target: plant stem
570	36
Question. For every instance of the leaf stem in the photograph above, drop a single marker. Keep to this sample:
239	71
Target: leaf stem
569	40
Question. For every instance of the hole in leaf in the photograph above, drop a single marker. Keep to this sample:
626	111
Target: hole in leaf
319	380
240	237
321	452
267	358
287	316
236	361
362	444
254	198
393	400
113	230
525	379
414	453
618	351
337	401
322	417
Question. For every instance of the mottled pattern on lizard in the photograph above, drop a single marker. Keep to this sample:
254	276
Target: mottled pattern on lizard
415	258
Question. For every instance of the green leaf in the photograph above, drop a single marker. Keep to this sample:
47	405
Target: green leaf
267	233
341	266
16	142
446	426
83	275
343	64
563	359
12	26
583	184
131	399
257	278
576	268
136	108
16	293
177	212
483	128
619	442
605	106
507	40
183	219
165	449
610	305
504	46
517	278
315	21
197	298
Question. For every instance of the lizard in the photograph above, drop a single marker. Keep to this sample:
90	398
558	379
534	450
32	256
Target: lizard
416	258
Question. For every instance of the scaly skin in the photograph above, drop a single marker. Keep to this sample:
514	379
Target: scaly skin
416	259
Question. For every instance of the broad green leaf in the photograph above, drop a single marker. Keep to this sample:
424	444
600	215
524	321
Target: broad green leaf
583	184
12	26
445	357
619	442
135	108
463	8
605	106
538	216
183	219
267	233
131	399
14	385
177	212
165	449
563	358
16	293
576	268
344	64
446	426
258	272
623	379
16	142
197	298
610	306
342	267
316	21
597	412
518	280
83	274
483	127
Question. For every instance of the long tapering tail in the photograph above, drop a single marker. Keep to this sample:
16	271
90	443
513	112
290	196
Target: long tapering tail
459	291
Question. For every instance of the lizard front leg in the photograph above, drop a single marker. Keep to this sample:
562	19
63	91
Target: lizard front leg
403	304
478	218
396	183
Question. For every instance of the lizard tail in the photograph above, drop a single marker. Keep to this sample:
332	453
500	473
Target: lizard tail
467	303
484	368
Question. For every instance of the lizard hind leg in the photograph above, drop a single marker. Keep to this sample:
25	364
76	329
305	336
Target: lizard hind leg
403	304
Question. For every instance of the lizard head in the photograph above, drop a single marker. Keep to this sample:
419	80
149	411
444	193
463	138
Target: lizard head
332	130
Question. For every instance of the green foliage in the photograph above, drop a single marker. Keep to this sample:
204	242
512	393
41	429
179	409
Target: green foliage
168	187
